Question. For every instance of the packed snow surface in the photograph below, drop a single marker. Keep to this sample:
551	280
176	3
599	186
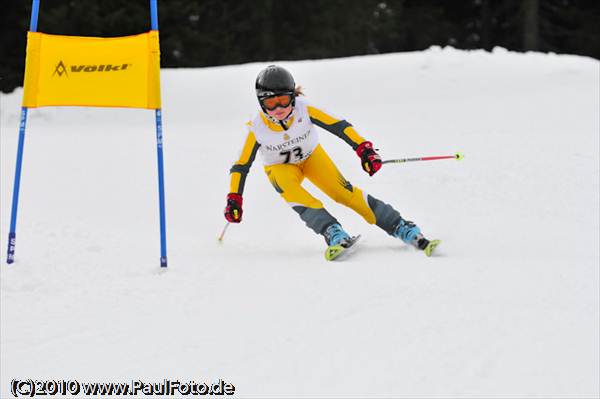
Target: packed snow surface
509	307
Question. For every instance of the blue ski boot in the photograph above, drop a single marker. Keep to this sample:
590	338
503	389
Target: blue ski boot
338	241
335	234
410	233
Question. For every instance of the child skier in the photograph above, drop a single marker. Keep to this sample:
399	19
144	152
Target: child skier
285	134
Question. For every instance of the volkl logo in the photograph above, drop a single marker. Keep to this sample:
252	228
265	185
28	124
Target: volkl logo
99	68
61	69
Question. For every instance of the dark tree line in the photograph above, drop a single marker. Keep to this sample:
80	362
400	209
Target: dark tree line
197	33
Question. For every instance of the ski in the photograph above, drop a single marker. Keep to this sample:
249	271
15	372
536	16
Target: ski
342	250
430	247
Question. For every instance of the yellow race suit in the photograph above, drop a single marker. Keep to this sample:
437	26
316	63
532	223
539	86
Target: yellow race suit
291	152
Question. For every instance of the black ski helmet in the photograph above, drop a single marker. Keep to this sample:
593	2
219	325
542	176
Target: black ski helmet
274	80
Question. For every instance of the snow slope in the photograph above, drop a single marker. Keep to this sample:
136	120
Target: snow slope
510	307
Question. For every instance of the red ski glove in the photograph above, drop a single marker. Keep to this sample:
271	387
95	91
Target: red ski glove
233	210
369	158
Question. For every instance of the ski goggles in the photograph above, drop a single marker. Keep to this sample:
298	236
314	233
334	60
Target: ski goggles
280	100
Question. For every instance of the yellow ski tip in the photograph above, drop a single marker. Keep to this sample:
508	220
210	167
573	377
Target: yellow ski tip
432	244
332	252
459	156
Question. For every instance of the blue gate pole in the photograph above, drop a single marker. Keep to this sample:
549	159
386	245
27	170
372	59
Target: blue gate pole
12	234
154	14
159	152
161	189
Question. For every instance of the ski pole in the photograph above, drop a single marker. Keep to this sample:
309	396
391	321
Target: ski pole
456	156
223	232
